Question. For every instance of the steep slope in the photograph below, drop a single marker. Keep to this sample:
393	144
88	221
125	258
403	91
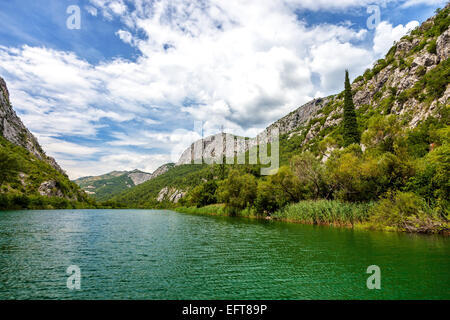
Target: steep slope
108	185
28	177
13	130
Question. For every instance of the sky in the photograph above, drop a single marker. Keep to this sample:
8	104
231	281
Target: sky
121	85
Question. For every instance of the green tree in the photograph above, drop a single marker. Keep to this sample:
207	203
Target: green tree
310	172
382	133
278	190
203	195
238	191
9	166
351	134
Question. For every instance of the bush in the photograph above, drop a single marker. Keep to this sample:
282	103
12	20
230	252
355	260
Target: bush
405	211
431	48
431	180
9	166
382	133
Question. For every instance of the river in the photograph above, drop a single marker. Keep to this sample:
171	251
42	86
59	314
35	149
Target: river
161	254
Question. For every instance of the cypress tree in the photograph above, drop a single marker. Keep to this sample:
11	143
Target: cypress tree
351	134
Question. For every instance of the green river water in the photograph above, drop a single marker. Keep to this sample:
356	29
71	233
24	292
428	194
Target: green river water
161	254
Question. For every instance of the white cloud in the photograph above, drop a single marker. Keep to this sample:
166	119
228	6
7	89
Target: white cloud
411	3
386	34
328	61
91	10
125	36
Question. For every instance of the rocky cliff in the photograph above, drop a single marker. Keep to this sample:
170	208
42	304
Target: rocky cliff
215	147
13	130
161	170
139	177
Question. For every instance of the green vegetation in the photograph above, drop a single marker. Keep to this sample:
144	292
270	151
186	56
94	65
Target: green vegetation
181	177
351	134
238	191
405	211
10	165
325	212
22	174
104	187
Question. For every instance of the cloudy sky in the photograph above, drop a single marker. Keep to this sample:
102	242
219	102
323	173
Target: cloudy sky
124	90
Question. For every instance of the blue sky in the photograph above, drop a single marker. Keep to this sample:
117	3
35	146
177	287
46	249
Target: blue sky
124	90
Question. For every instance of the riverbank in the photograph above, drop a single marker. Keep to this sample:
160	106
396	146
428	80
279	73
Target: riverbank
339	214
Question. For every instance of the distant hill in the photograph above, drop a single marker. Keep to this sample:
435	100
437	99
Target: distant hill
28	177
105	186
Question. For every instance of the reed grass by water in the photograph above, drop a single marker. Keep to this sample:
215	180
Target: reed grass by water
308	211
325	212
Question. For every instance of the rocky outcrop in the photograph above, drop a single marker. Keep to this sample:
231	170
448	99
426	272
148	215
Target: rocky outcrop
50	189
443	45
212	148
229	145
170	194
299	116
13	130
139	177
162	169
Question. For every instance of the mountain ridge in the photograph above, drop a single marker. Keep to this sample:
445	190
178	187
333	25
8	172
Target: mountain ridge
105	186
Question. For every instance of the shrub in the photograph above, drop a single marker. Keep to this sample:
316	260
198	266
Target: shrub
431	48
405	211
310	173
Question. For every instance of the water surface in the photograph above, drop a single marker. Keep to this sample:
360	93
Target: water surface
160	254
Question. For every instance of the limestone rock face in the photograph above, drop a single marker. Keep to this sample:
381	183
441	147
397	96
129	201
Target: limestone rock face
443	45
50	189
139	177
170	194
214	148
161	170
13	130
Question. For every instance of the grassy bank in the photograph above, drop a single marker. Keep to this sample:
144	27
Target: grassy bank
385	215
330	212
308	212
219	210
